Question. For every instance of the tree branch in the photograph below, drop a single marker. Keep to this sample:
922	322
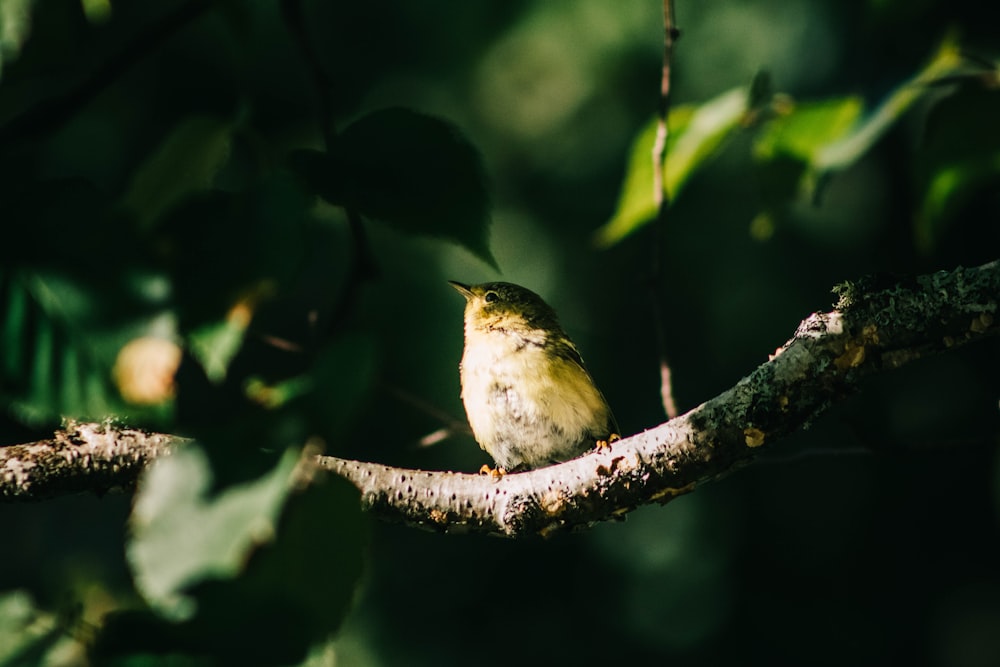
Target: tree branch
662	200
871	331
80	457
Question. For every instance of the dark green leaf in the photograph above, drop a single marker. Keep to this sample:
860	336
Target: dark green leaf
223	247
48	370
960	156
413	171
55	222
186	162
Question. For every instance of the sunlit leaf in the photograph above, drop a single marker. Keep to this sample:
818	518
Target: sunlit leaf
810	139
259	558
787	148
806	129
413	171
303	583
182	535
215	344
849	148
186	162
696	133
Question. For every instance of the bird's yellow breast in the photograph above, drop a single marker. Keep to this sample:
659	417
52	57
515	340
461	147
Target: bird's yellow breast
526	405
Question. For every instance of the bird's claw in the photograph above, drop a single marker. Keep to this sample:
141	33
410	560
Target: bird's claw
603	445
495	473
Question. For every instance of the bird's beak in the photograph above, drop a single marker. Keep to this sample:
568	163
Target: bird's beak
464	290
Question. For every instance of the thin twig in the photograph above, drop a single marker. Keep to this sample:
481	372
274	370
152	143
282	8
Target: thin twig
452	426
662	200
291	10
362	269
362	263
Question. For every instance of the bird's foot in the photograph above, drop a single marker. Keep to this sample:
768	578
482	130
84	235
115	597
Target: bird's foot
603	445
495	473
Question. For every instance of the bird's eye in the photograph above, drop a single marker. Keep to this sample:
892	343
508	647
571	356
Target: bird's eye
491	297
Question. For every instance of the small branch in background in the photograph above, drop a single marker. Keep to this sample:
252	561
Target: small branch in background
452	426
363	267
51	113
434	437
280	343
670	36
666	388
291	11
662	200
362	270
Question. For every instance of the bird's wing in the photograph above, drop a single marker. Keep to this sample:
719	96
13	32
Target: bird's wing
565	349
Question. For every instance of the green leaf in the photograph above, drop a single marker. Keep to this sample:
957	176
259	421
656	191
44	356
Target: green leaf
959	158
833	134
788	148
343	376
47	368
215	344
223	248
807	129
696	133
847	149
27	634
262	558
415	172
299	588
332	389
181	535
186	162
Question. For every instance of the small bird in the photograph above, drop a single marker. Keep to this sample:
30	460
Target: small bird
527	393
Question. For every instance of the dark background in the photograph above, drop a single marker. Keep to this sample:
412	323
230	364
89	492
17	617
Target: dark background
870	538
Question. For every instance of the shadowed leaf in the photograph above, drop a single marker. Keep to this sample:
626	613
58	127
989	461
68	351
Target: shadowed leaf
185	163
410	170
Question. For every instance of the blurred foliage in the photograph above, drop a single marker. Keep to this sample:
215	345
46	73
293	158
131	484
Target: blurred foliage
408	169
695	134
27	634
235	221
823	136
